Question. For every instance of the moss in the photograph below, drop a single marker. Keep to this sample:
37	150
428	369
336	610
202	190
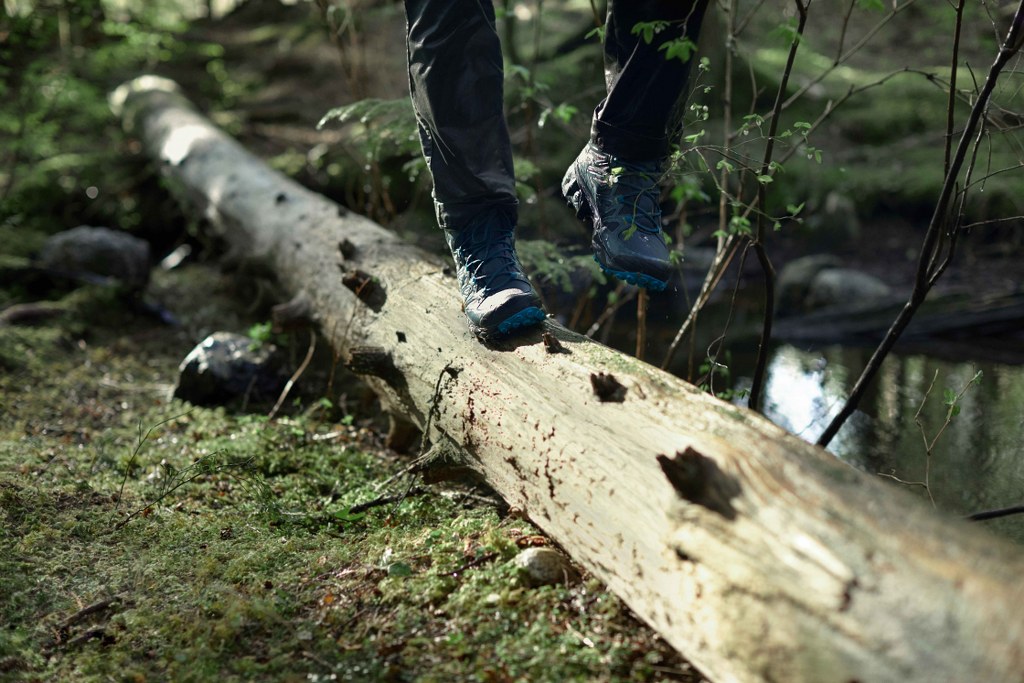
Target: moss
254	570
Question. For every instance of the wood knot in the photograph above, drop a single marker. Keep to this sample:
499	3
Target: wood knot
372	360
551	343
699	480
346	249
366	288
607	388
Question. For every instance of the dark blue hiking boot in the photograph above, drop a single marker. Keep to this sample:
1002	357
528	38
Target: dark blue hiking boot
498	296
619	200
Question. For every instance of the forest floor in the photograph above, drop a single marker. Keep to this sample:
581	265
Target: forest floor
146	539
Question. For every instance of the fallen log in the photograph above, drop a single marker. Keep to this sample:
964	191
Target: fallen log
759	556
949	316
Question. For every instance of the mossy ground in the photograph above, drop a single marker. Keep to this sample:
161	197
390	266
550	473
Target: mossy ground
254	569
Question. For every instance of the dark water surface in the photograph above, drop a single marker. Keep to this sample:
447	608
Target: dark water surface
976	464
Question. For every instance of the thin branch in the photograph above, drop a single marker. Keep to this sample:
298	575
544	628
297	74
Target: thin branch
760	367
142	439
641	323
842	32
611	309
991	221
995	514
381	501
951	105
723	258
295	376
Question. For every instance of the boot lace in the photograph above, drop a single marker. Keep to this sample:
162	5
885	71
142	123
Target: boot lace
635	188
485	251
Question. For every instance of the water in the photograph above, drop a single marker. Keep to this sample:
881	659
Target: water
977	463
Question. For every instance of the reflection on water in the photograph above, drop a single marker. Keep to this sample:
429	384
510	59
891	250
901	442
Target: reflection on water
978	461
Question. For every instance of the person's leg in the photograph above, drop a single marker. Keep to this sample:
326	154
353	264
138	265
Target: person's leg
456	80
644	86
613	184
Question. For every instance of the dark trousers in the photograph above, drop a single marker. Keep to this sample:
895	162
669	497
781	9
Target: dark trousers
456	80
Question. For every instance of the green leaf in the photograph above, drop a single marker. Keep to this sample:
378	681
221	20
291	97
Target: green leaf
949	397
680	48
723	164
764	179
647	29
346	516
694	137
740	225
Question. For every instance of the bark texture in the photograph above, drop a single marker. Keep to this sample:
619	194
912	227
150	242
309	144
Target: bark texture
758	556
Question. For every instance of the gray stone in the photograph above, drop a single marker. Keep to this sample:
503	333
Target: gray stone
545	567
100	254
833	221
844	287
226	367
794	284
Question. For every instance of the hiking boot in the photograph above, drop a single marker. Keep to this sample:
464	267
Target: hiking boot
498	296
619	200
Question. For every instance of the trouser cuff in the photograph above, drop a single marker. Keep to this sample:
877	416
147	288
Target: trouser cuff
628	145
456	215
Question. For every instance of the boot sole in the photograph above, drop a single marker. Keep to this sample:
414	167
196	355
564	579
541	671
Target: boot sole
528	317
577	200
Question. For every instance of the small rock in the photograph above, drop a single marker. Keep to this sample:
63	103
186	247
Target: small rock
846	288
98	253
545	567
794	283
830	222
225	367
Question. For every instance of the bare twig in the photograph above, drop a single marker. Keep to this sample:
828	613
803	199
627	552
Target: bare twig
94	608
757	386
142	439
924	437
295	376
994	514
622	297
641	323
381	501
196	470
723	257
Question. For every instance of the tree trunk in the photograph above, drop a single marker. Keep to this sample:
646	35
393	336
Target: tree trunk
759	556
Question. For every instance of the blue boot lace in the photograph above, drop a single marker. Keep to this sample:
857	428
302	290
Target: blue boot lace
486	254
635	188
